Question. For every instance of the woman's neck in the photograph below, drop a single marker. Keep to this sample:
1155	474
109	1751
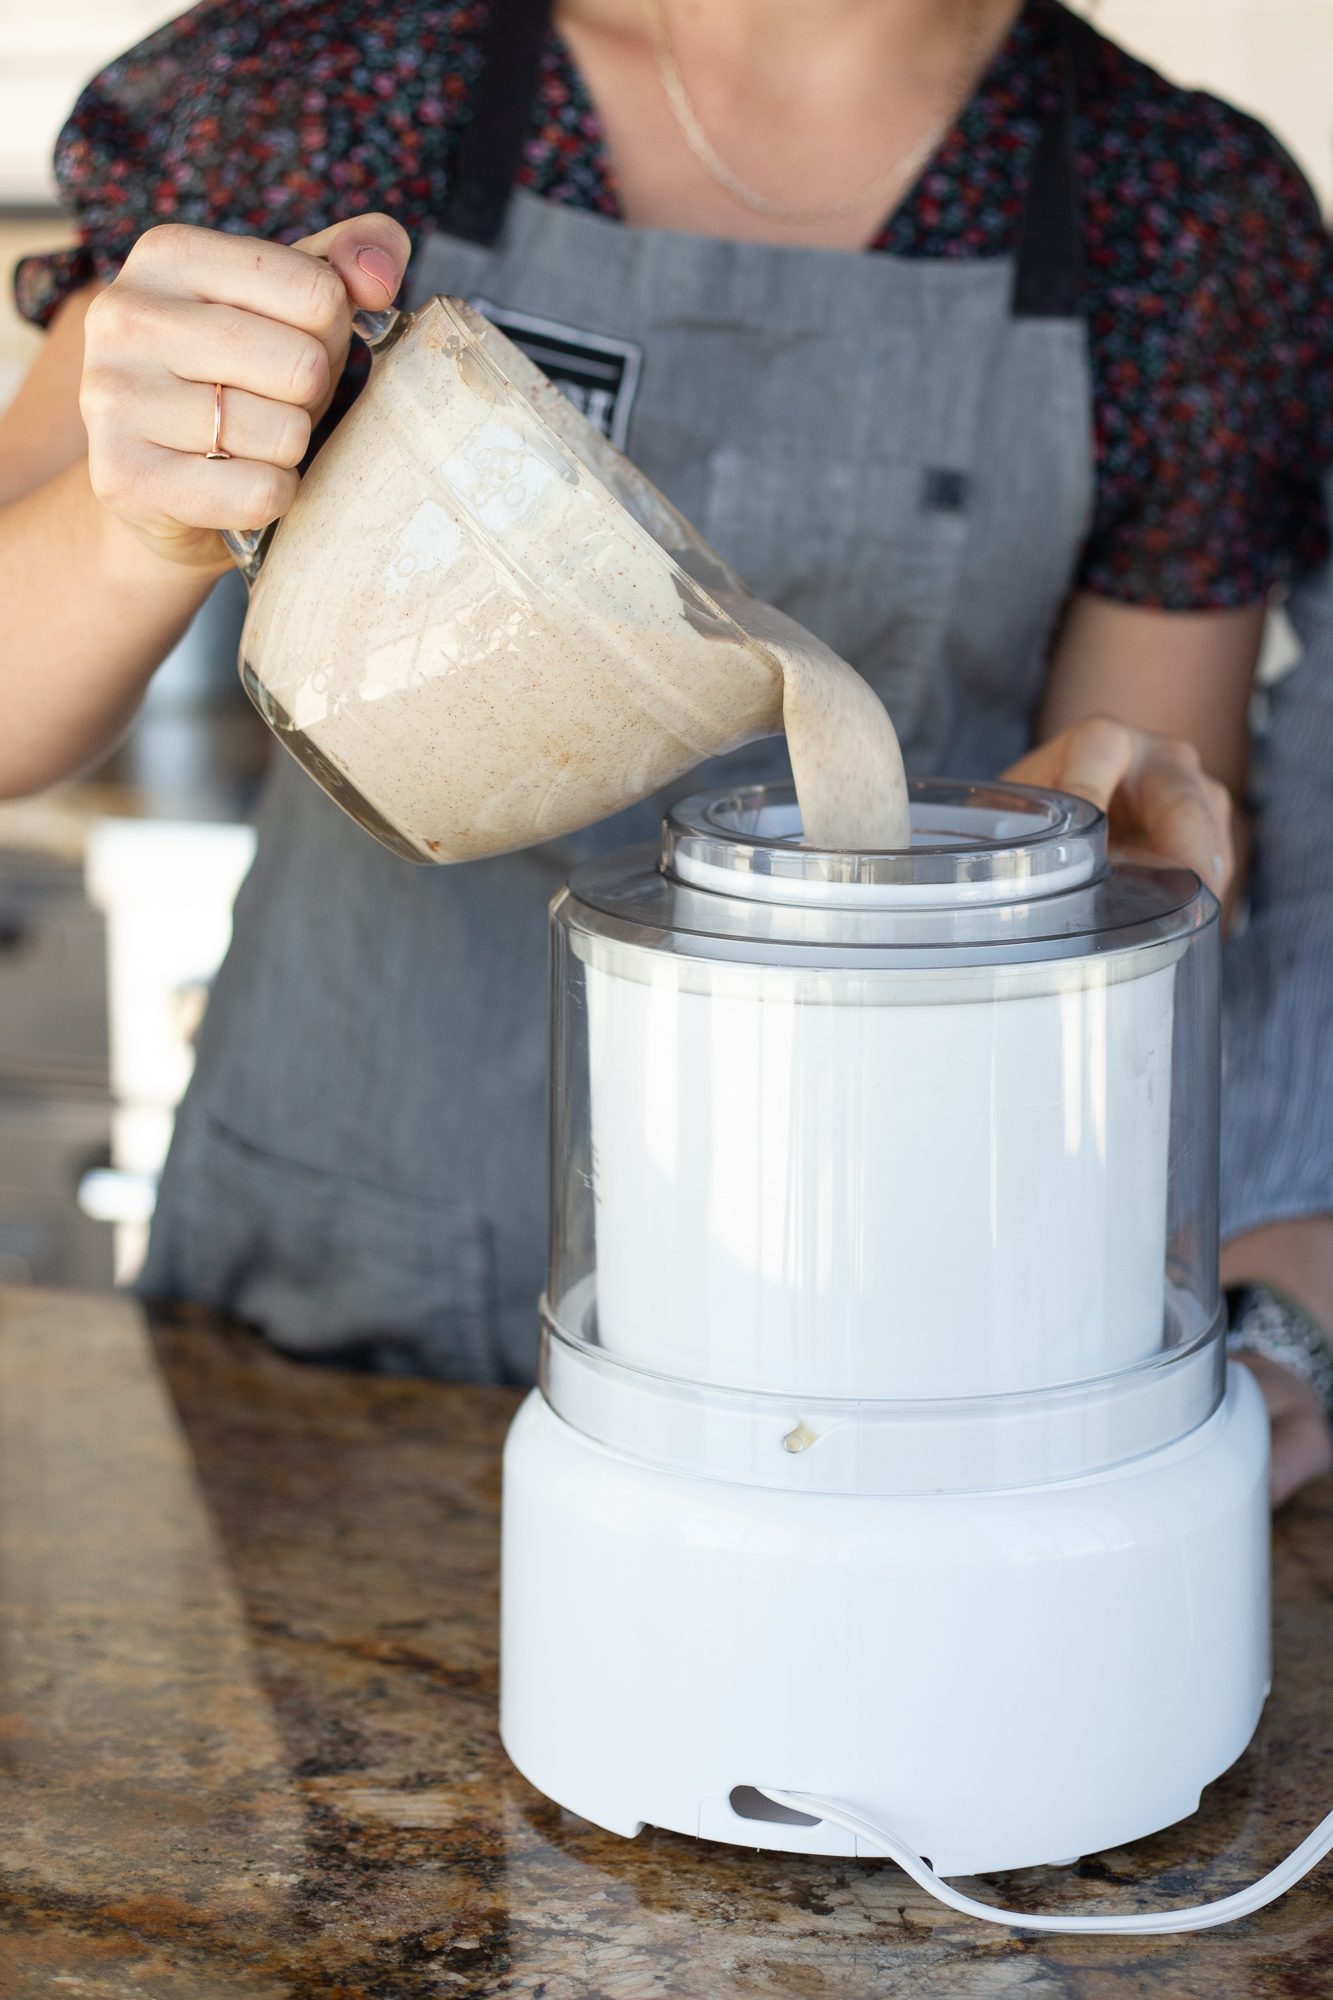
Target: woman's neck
807	102
749	27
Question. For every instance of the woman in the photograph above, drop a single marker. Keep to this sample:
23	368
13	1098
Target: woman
1076	390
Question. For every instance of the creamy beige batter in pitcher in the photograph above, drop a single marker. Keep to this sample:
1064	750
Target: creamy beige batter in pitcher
479	627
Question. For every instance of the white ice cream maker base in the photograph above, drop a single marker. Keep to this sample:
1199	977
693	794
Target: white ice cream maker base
885	1451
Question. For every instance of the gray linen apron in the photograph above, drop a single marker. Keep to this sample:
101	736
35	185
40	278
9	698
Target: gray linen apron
899	453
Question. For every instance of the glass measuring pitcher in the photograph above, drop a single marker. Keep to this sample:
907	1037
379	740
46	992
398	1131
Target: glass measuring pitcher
480	627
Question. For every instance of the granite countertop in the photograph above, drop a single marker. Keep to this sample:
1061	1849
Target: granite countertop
248	1746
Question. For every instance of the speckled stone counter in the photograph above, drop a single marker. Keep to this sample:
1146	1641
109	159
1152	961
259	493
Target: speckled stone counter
248	1745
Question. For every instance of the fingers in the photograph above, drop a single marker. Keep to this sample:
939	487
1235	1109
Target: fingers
1098	756
1172	806
273	280
149	430
152	488
1090	760
1302	1444
195	307
1161	804
152	340
1300	1452
178	416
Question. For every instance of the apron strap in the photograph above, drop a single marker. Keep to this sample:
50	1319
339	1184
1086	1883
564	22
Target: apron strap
491	150
1048	276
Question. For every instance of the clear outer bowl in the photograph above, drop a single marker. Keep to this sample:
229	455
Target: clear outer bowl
884	1172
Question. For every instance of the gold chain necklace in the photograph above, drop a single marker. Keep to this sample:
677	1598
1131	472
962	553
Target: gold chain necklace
903	170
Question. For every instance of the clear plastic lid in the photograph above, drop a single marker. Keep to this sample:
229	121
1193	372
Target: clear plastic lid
970	844
1011	870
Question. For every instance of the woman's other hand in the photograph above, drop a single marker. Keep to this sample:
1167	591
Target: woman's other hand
194	307
1302	1443
1161	805
1145	714
1295	1259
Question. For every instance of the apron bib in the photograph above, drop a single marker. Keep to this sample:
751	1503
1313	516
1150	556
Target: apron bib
896	452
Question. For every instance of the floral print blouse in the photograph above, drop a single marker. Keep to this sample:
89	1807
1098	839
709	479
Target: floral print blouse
1209	277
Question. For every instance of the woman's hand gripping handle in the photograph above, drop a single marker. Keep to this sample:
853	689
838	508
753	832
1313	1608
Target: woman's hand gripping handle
194	308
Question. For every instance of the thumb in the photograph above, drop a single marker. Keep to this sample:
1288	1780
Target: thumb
369	253
1089	759
1098	756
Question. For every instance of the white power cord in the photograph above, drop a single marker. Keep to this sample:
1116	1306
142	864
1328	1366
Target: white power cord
1155	1924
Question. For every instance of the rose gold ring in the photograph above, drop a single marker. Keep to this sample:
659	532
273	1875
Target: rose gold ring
217	451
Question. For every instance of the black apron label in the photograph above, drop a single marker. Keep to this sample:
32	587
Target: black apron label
599	375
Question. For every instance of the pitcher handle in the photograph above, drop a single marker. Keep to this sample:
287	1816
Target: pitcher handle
249	546
375	327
